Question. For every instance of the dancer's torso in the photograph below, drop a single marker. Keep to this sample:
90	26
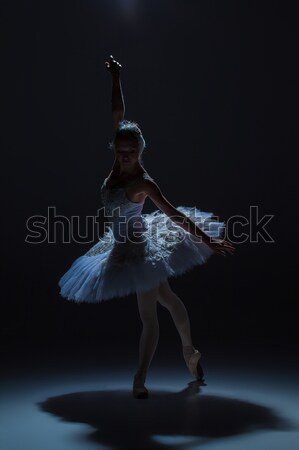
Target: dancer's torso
120	209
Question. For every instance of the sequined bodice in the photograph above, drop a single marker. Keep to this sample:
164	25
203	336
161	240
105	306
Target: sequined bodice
124	214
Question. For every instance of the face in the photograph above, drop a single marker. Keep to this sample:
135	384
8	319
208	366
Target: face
127	150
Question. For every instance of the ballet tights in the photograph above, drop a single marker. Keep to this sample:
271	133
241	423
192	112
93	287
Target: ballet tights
177	310
147	305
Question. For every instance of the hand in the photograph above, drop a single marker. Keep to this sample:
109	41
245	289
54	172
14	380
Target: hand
221	247
113	66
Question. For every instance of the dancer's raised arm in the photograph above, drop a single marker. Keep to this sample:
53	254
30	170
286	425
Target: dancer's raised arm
118	104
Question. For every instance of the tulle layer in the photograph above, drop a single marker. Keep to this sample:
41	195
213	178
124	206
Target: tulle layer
115	269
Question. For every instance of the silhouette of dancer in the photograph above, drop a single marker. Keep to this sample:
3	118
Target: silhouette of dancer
139	252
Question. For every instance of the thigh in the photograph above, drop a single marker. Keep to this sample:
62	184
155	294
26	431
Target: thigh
147	303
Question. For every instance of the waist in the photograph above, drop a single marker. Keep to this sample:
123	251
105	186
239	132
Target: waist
125	229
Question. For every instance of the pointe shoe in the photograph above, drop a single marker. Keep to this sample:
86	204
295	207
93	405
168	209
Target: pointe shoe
192	357
139	390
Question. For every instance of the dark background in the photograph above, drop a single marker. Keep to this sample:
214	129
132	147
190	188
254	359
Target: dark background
212	85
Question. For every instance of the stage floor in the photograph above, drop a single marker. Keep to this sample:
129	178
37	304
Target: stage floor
78	396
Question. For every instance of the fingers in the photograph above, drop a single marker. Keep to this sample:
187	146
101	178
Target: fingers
230	251
222	249
231	248
227	244
111	59
219	251
112	65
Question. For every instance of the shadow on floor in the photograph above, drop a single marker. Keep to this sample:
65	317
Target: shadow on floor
121	421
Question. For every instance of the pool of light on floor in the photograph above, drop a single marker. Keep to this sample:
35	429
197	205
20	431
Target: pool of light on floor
25	427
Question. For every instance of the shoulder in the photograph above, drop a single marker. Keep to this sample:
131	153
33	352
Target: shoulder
149	185
146	177
142	179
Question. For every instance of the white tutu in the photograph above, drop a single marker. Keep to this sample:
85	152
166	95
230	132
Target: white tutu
116	266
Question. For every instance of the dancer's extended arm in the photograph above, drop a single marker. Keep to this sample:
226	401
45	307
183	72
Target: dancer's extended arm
118	104
151	188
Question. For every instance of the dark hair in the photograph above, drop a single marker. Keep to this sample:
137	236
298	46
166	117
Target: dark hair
129	128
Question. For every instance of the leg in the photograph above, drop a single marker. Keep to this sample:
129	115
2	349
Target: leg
179	314
178	311
147	305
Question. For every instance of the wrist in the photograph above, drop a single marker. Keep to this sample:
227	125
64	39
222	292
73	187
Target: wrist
206	239
115	76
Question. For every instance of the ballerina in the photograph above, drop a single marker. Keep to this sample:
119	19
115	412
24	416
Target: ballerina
139	252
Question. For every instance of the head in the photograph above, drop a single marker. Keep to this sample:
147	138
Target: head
128	144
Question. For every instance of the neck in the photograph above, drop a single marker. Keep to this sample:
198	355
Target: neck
128	171
121	170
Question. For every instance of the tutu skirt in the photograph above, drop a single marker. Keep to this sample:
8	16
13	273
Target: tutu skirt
112	269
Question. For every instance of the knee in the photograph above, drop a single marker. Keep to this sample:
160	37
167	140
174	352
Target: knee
166	295
163	301
147	304
149	318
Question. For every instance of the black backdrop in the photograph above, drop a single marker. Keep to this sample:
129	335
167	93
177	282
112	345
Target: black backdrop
212	85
